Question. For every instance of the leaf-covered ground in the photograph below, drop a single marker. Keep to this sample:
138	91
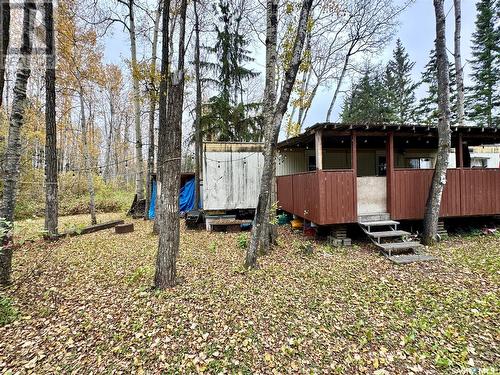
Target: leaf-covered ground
85	306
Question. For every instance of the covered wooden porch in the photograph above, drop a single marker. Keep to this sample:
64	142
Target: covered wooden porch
355	170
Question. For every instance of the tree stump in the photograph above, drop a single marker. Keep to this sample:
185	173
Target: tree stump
124	228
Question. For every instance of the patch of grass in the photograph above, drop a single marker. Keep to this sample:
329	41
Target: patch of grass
8	313
213	247
242	241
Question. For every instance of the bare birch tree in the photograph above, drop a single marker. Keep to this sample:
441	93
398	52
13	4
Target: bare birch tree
459	69
153	98
169	163
13	148
4	41
87	157
273	114
139	176
197	121
51	204
444	133
371	24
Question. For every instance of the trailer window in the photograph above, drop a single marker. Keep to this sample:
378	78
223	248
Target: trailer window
419	163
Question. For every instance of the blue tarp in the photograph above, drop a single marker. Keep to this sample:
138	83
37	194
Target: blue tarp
186	198
152	204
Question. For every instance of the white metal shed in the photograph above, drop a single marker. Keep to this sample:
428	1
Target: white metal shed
231	175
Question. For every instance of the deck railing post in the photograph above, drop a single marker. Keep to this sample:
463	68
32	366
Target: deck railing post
459	151
354	166
318	147
390	171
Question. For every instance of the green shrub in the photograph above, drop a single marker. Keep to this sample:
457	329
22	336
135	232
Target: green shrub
242	241
7	312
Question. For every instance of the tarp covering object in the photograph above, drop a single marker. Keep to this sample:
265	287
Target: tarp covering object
152	204
186	198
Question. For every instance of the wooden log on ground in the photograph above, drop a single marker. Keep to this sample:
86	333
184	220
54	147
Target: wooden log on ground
92	228
124	228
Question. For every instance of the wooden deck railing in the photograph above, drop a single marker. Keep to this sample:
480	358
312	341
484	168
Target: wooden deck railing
323	197
468	192
329	196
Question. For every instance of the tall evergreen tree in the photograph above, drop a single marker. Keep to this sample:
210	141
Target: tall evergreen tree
367	101
227	117
427	111
484	95
400	86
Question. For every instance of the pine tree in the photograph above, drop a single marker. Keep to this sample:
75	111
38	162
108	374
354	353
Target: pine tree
226	116
400	86
427	111
484	96
367	101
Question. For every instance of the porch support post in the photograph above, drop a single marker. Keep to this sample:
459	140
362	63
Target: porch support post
354	166
318	147
459	151
390	171
354	154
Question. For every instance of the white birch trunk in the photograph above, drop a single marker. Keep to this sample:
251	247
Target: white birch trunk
444	133
152	112
13	148
87	163
273	115
139	176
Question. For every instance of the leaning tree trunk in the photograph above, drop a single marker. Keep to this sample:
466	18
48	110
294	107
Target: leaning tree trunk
13	148
273	118
444	133
152	111
139	176
458	62
4	41
50	125
197	122
87	163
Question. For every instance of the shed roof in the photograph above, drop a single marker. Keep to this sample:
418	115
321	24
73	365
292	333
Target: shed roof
233	146
485	135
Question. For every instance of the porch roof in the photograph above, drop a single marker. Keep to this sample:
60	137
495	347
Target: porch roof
475	134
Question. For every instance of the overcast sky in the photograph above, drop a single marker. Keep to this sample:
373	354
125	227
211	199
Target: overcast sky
416	31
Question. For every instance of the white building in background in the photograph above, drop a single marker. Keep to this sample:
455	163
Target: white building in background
481	157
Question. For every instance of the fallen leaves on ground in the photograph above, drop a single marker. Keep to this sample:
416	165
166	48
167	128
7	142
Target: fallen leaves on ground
88	307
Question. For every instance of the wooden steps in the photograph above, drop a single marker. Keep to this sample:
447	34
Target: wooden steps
384	233
388	234
379	223
410	245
